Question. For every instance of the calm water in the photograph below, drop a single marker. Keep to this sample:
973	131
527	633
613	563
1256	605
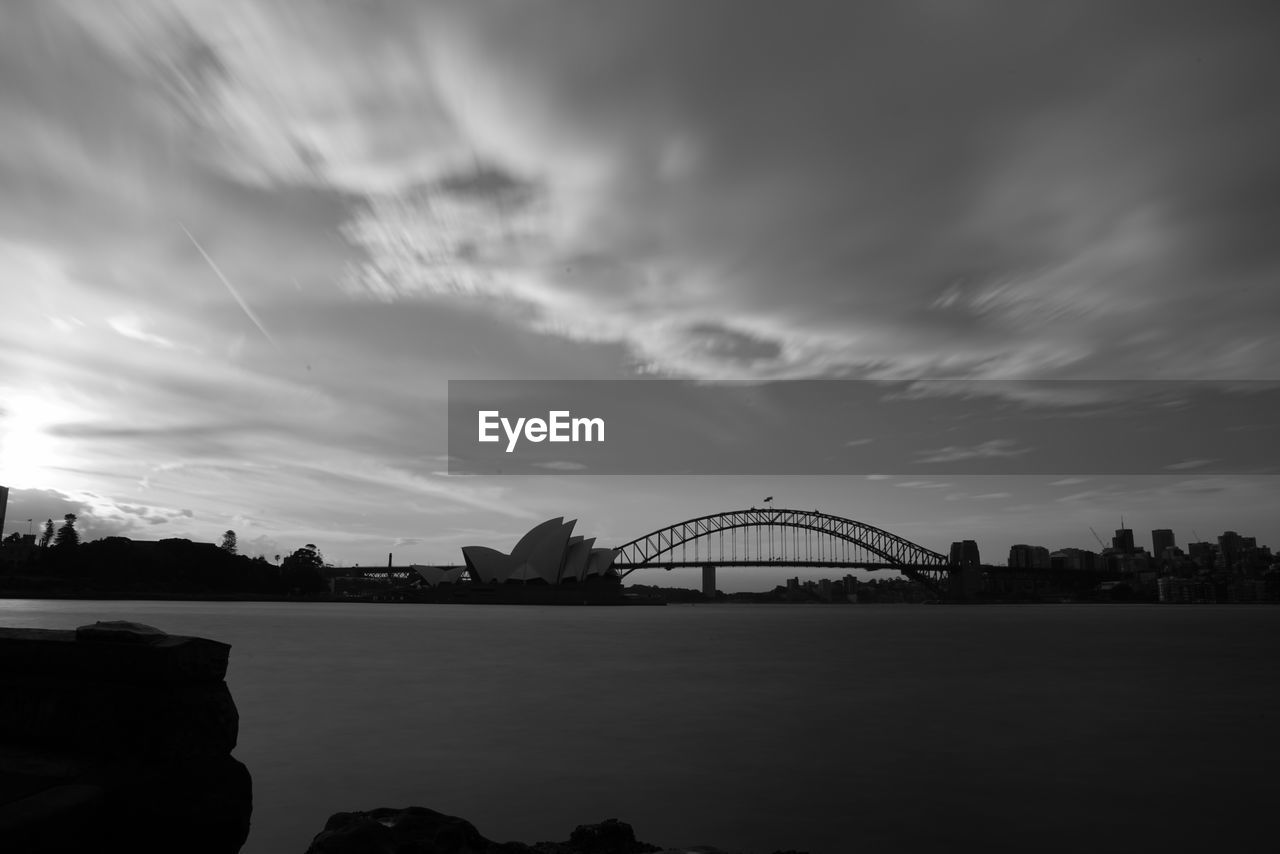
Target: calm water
827	729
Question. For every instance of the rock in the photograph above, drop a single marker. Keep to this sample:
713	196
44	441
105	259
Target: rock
91	655
417	830
117	737
608	837
353	833
413	830
119	631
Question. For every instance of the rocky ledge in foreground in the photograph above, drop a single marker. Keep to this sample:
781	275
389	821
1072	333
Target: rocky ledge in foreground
118	737
417	830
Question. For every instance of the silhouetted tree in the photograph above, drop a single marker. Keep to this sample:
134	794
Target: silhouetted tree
47	536
67	535
14	538
229	542
301	570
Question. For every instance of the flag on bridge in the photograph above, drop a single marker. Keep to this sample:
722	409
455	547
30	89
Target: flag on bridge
770	498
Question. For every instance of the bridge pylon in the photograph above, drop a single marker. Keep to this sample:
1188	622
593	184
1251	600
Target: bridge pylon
709	581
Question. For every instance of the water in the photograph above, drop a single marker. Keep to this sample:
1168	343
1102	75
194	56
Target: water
827	729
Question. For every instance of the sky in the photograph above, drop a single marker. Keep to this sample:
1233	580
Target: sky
244	246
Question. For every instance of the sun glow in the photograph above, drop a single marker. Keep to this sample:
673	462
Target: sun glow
27	450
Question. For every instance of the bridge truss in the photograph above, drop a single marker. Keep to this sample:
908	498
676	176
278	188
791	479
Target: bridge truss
778	537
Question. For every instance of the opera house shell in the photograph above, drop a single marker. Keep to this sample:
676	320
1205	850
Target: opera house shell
548	554
434	576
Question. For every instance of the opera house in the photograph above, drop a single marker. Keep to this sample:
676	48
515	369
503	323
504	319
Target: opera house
548	554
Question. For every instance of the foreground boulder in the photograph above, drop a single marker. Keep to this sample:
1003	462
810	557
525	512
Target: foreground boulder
417	830
118	736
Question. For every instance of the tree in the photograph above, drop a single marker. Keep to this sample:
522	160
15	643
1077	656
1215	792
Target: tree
229	542
301	570
67	536
47	536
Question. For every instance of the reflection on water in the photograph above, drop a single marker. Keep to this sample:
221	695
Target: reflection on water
825	729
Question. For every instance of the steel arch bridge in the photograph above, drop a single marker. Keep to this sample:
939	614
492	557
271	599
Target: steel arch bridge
778	537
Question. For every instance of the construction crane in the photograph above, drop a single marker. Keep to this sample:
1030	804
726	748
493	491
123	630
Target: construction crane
1096	537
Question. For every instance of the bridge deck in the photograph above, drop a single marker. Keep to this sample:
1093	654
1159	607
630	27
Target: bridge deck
829	564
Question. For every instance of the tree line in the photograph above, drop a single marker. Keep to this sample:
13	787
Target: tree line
60	561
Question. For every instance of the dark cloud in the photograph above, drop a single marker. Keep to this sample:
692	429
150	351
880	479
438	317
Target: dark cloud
732	345
1090	166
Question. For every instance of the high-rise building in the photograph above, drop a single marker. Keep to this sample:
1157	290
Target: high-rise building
4	503
1029	557
1161	539
1076	559
1230	547
1123	540
1203	554
964	553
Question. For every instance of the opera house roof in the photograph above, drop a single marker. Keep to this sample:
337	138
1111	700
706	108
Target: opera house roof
549	553
434	576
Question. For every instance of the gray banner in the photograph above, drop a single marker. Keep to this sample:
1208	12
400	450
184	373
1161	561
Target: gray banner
831	427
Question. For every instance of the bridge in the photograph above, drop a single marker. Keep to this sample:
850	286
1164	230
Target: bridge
778	537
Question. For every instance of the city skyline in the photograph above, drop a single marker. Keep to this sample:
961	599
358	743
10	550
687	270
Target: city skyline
244	247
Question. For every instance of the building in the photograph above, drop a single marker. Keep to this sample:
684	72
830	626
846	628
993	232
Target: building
1028	557
964	553
547	554
1204	555
434	576
1077	560
1123	541
1161	539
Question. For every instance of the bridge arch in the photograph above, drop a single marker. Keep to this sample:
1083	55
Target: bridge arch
865	546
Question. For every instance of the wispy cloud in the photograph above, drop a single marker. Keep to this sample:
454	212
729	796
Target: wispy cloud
441	191
1189	464
560	465
991	449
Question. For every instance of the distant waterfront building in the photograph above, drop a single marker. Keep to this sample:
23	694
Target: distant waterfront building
964	553
1022	556
547	554
434	576
1123	541
1161	539
1204	555
1081	560
1230	549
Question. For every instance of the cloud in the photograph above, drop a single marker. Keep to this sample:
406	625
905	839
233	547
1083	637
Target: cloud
560	465
1060	195
1189	464
407	193
985	450
96	517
